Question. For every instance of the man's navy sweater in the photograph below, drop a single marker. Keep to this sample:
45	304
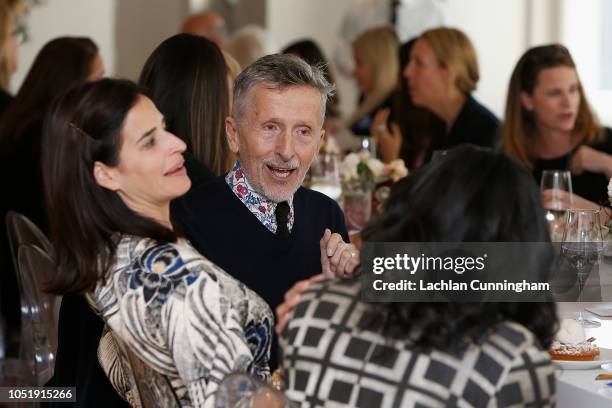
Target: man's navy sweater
226	232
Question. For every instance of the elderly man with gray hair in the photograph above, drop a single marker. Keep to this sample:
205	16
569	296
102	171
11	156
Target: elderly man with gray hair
257	222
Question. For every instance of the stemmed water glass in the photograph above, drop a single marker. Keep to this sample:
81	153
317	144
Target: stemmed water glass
556	186
582	247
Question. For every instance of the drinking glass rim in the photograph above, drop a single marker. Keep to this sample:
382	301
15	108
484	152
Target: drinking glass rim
585	210
556	171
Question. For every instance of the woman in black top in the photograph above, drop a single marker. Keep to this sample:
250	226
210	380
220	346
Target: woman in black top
442	74
549	124
405	131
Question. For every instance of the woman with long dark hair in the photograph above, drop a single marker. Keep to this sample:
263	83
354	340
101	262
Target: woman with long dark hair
60	64
187	78
411	351
111	169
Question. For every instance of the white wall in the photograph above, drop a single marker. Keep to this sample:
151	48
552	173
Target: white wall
140	26
581	32
498	30
54	18
126	31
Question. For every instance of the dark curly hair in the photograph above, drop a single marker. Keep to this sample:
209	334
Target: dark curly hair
469	195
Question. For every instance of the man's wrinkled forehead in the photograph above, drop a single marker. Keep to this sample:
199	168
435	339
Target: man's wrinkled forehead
249	99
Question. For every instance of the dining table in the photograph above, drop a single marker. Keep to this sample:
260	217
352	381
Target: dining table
579	388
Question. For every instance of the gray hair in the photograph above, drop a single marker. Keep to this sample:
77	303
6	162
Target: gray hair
279	71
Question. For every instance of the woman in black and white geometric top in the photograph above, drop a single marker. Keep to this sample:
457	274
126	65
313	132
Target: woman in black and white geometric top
342	351
111	170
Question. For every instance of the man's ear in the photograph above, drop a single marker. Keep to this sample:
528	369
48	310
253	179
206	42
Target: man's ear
105	176
231	133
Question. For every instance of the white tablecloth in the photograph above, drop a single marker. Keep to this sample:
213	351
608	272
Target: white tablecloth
578	388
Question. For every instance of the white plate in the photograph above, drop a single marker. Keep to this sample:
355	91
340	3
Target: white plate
602	310
605	356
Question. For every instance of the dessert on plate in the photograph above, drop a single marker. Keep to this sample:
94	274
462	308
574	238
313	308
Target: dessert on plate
583	351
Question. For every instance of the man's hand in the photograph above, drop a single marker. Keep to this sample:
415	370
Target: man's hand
337	257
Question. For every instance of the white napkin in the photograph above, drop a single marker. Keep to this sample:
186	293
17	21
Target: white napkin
570	331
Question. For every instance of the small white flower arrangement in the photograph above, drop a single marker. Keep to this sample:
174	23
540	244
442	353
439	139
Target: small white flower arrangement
362	167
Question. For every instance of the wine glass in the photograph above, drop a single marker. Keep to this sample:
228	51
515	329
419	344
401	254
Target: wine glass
582	247
556	184
242	390
357	206
325	176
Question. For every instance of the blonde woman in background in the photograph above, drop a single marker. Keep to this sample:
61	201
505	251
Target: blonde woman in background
8	50
442	74
376	71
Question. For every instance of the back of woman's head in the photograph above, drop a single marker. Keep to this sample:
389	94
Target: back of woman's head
469	195
83	127
378	48
187	79
454	50
61	64
310	52
519	123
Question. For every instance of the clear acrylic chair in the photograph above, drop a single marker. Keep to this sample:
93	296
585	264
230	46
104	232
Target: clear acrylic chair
38	329
240	390
22	231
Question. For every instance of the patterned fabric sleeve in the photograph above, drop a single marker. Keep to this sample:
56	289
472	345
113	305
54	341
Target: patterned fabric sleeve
530	382
178	316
